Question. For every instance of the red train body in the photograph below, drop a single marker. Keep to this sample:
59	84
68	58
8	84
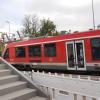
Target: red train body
74	51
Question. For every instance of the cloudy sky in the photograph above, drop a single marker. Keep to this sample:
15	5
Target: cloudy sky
66	14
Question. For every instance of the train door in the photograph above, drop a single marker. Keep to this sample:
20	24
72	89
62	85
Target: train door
75	55
70	56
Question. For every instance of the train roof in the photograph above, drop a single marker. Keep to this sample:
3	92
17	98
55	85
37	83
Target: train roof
65	37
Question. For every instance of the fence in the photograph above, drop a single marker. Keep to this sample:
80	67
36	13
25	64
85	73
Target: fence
67	86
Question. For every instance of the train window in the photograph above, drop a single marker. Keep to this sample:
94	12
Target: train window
34	50
95	46
20	51
50	50
6	55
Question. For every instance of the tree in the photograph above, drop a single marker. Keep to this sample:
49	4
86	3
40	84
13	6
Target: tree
56	33
2	45
47	27
31	25
35	26
27	24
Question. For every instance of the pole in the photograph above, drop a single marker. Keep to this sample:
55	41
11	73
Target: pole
9	26
93	14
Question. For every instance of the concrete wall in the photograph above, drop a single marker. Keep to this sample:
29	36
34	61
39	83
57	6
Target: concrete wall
60	87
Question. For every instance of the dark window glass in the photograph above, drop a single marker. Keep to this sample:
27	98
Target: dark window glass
20	51
34	51
50	50
95	45
6	54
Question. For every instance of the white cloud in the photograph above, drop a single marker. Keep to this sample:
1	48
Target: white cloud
67	14
74	3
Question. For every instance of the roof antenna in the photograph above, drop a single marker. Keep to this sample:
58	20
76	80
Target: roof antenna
93	14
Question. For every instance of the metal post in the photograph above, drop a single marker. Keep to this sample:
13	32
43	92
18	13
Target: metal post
9	27
93	14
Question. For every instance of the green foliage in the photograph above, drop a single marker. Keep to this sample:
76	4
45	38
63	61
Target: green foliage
56	33
47	27
2	45
33	29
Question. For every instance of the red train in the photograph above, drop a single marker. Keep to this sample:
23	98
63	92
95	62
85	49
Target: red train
74	51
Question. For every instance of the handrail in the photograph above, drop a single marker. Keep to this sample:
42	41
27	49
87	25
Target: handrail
24	78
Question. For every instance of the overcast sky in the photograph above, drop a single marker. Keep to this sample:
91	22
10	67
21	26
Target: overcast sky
66	14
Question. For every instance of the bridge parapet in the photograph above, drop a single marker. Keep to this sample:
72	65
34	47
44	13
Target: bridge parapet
67	86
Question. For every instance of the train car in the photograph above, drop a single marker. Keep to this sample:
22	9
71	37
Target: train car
79	51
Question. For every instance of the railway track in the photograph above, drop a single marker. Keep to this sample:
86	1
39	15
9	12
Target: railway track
74	72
